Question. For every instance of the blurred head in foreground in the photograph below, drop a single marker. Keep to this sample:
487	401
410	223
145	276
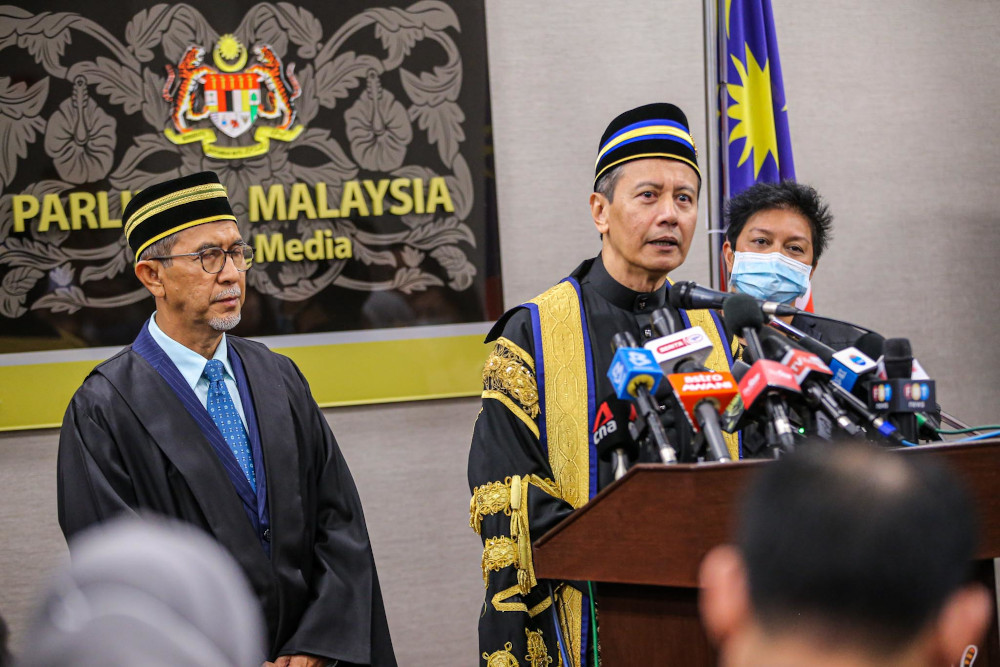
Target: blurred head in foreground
847	555
152	593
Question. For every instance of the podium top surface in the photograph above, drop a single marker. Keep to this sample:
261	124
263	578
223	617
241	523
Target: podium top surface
653	526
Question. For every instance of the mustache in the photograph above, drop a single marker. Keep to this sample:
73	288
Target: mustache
227	293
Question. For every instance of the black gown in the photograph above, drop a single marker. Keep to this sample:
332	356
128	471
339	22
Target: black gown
127	444
504	444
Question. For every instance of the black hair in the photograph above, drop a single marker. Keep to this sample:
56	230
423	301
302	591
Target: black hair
786	195
861	544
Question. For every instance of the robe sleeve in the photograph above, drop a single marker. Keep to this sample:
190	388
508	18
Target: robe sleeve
345	616
92	482
514	500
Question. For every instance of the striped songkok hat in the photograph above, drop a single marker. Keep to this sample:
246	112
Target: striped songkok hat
172	206
652	131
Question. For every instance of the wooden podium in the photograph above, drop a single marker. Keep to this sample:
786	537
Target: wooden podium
642	538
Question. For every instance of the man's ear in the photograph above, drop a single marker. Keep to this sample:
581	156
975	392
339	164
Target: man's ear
728	256
962	621
149	274
724	597
599	210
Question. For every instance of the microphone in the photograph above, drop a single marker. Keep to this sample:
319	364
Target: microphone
927	422
610	435
635	375
766	380
682	351
847	399
849	366
692	296
899	395
704	395
871	345
811	374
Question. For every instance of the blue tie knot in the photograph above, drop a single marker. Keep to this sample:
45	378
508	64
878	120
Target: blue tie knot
214	370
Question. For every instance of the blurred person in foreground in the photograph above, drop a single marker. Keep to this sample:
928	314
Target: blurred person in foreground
218	431
775	235
847	556
156	593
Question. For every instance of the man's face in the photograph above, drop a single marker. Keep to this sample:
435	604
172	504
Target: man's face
648	227
774	230
195	303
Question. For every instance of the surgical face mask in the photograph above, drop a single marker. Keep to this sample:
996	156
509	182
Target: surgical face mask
770	276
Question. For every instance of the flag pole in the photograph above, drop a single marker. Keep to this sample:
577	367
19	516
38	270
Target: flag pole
713	152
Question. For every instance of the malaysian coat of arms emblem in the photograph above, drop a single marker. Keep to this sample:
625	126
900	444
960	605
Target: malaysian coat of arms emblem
231	97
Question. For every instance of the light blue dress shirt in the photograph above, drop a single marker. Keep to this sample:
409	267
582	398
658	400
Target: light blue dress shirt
192	366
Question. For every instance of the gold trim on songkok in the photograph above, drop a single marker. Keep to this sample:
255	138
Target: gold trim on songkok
501	658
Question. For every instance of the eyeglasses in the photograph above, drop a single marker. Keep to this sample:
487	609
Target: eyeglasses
213	260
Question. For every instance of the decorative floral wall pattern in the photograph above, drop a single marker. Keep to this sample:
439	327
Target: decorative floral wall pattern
353	140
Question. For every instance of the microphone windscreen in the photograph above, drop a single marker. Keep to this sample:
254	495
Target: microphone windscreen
898	358
873	345
677	293
742	311
896	348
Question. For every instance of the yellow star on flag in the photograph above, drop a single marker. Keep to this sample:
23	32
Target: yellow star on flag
753	109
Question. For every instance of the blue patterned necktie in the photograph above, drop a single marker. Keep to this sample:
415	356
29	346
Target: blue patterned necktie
224	414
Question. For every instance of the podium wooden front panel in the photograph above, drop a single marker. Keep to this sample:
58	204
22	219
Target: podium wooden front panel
642	539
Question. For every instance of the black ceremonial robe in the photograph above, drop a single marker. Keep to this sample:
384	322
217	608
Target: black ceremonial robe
128	444
532	462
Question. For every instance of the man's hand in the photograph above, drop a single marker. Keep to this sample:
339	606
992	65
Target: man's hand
298	661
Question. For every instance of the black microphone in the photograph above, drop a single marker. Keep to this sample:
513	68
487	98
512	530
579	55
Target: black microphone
692	296
898	361
811	374
610	434
872	344
744	315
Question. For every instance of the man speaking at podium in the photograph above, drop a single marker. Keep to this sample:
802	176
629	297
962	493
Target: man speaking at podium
224	434
532	460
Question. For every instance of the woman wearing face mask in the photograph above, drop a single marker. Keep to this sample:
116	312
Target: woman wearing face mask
776	234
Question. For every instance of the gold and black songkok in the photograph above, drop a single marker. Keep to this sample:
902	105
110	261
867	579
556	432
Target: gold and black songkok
652	131
172	206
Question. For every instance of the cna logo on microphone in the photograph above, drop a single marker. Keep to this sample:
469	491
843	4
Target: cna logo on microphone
604	423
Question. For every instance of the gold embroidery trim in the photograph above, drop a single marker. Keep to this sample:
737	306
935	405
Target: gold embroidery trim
540	607
510	497
499	552
538	653
488	499
565	358
501	658
509	376
570	616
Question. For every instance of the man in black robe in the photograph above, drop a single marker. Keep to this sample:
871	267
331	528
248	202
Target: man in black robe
532	460
244	454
